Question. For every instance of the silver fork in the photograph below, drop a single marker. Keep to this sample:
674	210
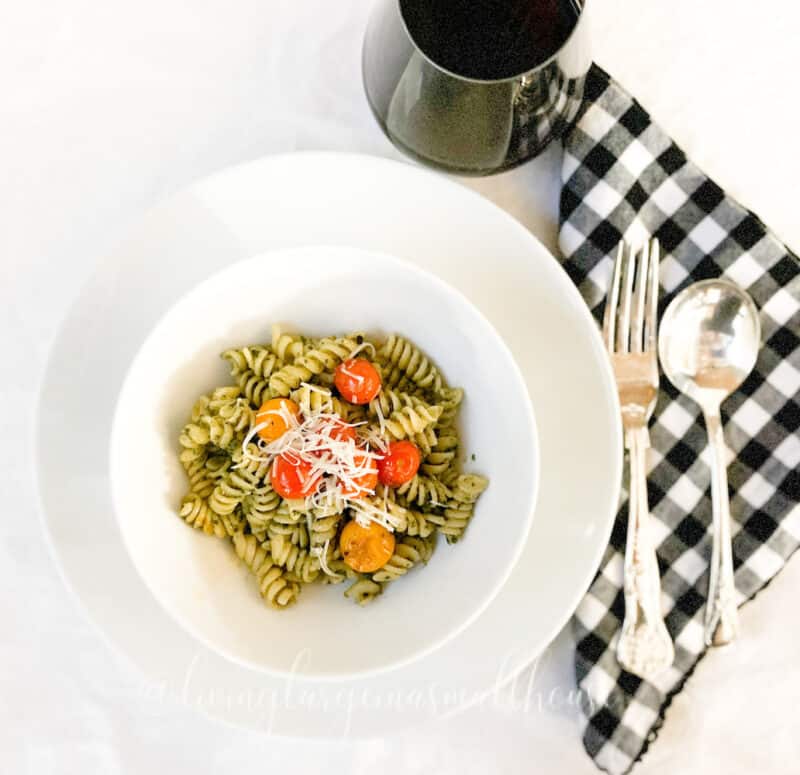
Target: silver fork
629	330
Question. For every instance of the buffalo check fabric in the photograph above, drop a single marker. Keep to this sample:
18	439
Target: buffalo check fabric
624	178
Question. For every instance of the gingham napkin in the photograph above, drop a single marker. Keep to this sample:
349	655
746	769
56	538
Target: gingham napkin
623	175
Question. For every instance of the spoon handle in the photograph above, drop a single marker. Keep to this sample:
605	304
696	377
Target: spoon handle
722	618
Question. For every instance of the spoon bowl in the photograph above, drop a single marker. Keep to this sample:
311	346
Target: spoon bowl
709	340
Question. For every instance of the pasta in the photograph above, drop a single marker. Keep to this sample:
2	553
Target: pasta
259	508
325	356
411	420
407	554
317	435
406	360
425	490
273	582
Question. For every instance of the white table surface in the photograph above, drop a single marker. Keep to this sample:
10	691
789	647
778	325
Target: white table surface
107	107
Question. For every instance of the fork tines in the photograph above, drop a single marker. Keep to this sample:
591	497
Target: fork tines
633	295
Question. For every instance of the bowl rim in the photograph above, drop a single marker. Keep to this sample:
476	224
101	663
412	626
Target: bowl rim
532	493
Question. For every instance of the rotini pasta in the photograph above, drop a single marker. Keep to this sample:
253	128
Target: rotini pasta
411	420
453	520
312	399
273	584
419	524
322	438
241	480
257	360
259	508
408	553
286	347
468	487
389	401
363	590
196	512
424	490
407	360
325	356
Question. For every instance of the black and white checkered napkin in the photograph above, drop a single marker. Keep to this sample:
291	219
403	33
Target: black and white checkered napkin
623	175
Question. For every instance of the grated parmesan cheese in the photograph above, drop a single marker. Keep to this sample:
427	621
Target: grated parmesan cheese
321	554
363	346
337	466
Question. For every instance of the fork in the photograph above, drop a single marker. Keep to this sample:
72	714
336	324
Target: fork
629	331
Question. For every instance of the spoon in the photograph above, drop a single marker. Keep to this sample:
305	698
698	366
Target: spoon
708	343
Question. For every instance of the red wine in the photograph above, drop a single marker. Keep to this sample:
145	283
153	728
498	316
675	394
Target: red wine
490	39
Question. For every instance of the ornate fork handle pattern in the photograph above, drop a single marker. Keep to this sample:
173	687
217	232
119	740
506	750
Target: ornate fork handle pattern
645	647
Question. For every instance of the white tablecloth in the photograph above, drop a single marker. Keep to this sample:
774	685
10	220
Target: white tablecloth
107	107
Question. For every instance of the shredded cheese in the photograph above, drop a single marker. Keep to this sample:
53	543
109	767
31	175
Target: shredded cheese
337	467
357	377
364	513
364	346
381	418
321	554
315	388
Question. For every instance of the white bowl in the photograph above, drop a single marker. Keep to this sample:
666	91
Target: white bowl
198	579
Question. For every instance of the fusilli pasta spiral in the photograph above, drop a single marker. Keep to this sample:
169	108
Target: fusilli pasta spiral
323	528
424	490
256	359
201	482
195	511
453	520
443	454
364	590
409	361
286	346
419	524
236	483
273	585
314	399
408	553
326	356
411	420
259	508
468	487
389	401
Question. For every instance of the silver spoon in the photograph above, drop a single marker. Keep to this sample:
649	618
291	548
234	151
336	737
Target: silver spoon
708	343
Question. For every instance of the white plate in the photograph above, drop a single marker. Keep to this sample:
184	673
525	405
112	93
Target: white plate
373	204
320	290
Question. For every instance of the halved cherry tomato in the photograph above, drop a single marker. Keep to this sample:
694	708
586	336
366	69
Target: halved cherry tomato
366	549
357	381
399	464
271	417
368	480
291	476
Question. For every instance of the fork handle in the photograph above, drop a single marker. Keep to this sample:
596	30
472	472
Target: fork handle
722	618
642	578
644	647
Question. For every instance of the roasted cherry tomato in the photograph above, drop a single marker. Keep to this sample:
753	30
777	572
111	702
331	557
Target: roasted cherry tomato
271	416
357	381
366	549
399	464
368	480
291	476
